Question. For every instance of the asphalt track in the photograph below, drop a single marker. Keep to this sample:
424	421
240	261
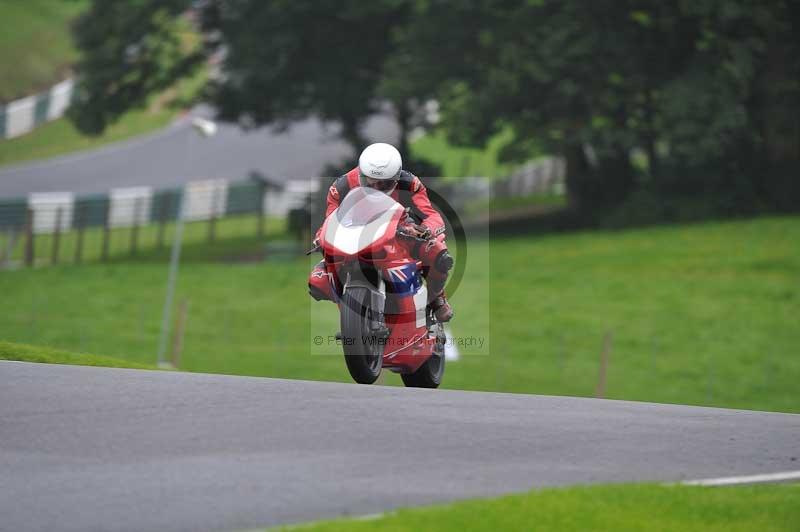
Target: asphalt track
176	154
88	449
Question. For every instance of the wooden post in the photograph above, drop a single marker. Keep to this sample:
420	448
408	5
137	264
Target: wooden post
5	261
106	232
261	211
56	237
29	242
212	220
135	228
80	222
600	391
180	327
163	214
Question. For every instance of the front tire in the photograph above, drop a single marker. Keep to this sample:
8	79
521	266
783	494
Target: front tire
363	351
429	375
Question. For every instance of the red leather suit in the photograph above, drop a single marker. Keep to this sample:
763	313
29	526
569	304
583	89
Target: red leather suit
411	193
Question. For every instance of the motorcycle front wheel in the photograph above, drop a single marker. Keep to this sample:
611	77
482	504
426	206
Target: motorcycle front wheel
363	351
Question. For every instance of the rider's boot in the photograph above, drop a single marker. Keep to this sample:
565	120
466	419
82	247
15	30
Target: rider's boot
437	300
441	308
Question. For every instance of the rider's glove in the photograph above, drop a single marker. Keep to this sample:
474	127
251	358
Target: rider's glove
412	230
423	231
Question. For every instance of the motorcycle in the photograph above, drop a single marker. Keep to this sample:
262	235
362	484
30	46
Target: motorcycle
379	289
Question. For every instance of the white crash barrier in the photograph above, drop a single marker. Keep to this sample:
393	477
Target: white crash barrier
51	210
20	116
60	98
278	202
205	199
130	206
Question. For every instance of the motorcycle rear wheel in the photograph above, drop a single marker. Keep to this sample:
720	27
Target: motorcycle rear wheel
429	375
363	352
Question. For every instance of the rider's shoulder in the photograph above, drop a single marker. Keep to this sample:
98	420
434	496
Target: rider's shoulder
409	181
341	186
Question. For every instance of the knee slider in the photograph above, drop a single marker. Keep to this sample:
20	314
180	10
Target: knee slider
444	262
316	293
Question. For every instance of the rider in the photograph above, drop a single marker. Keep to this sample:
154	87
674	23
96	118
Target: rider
380	167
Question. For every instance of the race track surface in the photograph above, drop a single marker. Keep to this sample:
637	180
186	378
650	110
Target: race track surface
176	155
87	449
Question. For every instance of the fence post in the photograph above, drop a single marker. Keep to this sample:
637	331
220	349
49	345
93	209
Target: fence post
212	220
56	237
135	228
261	211
163	214
29	242
80	221
106	232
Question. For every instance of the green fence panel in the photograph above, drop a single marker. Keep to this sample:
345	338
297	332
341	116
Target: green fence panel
91	211
3	116
13	213
244	198
165	204
40	108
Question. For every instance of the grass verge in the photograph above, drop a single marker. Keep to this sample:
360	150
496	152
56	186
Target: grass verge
697	314
613	508
235	238
47	355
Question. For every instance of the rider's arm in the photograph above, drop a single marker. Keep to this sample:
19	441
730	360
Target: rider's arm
431	217
332	201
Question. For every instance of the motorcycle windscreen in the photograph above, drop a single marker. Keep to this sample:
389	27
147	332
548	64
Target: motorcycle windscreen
361	220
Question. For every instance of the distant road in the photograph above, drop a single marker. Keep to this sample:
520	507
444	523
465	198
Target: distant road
86	448
176	155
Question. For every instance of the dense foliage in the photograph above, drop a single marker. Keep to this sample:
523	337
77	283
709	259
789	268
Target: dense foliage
646	99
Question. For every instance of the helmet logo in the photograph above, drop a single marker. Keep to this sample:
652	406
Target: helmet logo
377	165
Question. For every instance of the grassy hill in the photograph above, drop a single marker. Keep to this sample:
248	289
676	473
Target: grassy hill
697	314
36	49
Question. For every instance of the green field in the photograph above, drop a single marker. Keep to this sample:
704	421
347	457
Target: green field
611	508
36	47
697	314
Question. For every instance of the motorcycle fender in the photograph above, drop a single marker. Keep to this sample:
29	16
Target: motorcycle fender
377	297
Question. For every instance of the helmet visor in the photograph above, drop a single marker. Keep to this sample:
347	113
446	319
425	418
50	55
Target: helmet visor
384	185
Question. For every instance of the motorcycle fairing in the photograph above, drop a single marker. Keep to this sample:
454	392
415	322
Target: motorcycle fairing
361	222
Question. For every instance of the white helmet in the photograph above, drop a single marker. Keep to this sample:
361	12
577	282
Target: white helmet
379	167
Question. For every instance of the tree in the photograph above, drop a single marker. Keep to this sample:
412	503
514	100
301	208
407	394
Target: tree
285	60
129	49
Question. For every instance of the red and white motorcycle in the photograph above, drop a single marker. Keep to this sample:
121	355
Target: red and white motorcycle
379	288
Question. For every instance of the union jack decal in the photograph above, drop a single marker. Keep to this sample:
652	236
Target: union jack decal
398	273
